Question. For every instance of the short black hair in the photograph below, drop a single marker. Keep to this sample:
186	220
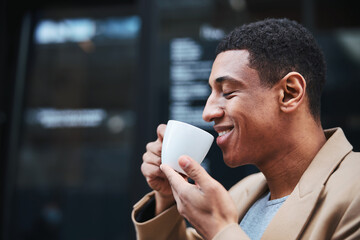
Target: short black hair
277	47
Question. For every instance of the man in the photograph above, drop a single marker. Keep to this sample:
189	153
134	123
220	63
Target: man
265	84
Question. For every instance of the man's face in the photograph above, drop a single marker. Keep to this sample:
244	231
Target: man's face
244	112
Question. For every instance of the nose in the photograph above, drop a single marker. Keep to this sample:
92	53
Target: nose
212	110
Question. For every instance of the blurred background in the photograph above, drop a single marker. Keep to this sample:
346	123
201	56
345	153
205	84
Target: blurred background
84	84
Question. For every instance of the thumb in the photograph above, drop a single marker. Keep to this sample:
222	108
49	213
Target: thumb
194	170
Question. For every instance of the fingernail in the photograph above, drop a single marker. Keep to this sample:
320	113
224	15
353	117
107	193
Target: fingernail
184	162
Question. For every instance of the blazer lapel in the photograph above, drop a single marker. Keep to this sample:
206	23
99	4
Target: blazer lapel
293	216
245	198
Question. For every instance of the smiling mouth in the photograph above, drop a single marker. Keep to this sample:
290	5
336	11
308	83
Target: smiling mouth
223	132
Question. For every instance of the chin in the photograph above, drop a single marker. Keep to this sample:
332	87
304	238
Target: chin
231	162
234	162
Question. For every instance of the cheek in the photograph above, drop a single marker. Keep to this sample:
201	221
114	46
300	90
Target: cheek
251	122
236	107
263	110
242	113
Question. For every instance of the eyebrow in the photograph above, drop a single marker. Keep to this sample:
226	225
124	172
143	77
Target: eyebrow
227	79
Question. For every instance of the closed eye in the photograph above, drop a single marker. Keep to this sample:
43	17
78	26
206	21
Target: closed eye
228	95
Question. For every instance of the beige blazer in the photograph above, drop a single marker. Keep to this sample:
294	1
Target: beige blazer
325	204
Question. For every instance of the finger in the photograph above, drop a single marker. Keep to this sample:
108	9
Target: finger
169	173
176	181
151	171
161	131
154	147
151	158
195	171
176	196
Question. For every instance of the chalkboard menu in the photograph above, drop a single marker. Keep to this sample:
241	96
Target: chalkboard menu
190	67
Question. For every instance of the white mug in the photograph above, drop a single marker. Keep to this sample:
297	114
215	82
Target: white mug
184	139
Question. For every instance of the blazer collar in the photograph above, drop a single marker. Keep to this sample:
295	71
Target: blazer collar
292	217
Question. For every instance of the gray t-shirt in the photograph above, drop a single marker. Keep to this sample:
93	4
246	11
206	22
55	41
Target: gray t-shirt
259	216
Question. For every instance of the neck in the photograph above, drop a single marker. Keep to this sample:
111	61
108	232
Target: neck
289	163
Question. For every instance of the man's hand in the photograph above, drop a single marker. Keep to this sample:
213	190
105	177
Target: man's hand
206	205
155	178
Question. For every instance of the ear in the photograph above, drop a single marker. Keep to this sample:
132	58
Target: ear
292	91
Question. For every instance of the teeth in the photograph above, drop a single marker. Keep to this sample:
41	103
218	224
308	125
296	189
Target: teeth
223	133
